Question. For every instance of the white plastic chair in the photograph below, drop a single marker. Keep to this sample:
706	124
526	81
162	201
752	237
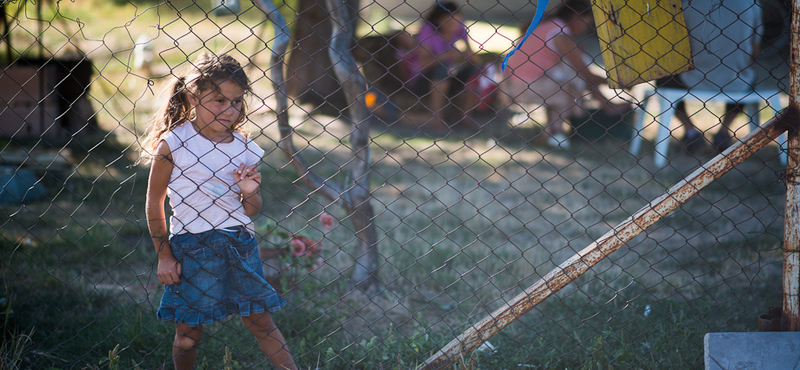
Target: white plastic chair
668	97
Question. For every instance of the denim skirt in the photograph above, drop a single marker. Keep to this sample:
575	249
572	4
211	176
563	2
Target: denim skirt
221	275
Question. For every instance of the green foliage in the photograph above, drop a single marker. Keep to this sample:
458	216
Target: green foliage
228	363
112	361
391	349
665	334
13	347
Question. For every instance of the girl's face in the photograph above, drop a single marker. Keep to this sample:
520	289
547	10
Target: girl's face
218	109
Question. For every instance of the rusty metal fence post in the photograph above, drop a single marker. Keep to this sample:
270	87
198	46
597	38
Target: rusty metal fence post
791	244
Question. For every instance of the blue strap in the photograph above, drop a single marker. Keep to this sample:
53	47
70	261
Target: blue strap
541	6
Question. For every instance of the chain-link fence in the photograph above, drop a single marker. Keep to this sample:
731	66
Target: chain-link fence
421	200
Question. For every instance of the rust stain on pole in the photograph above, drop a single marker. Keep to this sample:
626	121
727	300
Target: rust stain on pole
794	84
581	262
791	239
791	235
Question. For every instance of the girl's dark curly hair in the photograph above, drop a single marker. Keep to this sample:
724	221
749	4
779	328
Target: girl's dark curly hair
203	74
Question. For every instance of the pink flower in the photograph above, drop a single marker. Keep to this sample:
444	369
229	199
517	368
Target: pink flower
313	248
326	221
298	247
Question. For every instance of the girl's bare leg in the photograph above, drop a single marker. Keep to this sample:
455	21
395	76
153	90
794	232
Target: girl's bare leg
270	340
184	347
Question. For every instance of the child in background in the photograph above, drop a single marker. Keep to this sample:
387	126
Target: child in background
206	164
551	70
444	70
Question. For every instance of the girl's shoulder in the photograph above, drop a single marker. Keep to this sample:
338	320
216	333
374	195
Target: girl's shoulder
177	137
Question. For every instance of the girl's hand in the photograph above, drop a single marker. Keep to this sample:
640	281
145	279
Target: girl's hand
169	271
248	179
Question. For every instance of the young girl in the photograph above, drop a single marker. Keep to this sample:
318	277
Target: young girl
203	161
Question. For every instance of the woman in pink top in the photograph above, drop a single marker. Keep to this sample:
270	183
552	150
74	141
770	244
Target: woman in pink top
550	70
442	70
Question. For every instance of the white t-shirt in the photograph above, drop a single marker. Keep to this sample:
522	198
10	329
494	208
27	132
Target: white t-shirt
722	34
201	188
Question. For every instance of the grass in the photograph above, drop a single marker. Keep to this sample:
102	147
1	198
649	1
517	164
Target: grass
476	244
466	223
461	234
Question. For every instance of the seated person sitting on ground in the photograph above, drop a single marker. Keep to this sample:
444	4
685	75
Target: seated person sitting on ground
438	71
549	69
433	72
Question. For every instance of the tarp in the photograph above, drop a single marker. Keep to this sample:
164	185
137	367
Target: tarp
19	186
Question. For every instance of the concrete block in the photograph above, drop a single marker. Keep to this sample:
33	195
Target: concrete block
752	351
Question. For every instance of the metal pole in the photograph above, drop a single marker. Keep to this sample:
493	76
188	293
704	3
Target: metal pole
791	234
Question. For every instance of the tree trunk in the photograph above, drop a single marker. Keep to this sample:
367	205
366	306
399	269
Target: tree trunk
358	195
353	196
310	76
365	271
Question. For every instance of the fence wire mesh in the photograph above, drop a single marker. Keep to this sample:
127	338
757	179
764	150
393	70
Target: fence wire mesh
411	187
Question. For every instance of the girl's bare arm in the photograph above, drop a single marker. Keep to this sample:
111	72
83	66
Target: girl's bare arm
169	269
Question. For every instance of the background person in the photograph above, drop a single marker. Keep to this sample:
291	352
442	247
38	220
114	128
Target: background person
439	68
550	69
723	36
